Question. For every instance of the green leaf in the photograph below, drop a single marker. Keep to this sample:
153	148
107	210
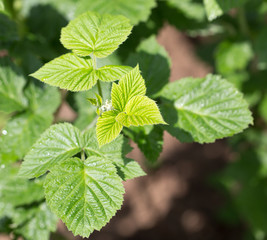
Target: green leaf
130	85
136	10
76	74
62	7
139	111
11	87
154	64
16	190
92	33
8	31
56	144
231	57
20	133
93	101
112	72
115	152
2	7
149	140
189	8
23	130
216	8
84	194
107	128
34	223
99	99
43	100
207	108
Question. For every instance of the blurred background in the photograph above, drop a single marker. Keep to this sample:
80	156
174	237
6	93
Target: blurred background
191	191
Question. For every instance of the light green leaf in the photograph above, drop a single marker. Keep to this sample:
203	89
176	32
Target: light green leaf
20	133
111	73
139	111
92	33
76	74
231	57
154	64
130	85
84	194
56	144
136	10
216	8
34	223
107	128
149	140
207	108
11	87
114	152
93	101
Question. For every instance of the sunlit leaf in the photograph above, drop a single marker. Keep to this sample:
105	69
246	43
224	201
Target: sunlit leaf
84	194
140	111
207	108
92	33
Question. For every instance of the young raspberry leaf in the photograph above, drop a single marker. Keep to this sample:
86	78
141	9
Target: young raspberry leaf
84	194
107	128
130	106
93	101
140	111
92	33
130	85
77	74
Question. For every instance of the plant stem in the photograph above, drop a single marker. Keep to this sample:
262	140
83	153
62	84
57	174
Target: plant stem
99	88
243	21
82	155
98	82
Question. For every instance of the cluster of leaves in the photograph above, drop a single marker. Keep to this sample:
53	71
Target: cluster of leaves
85	163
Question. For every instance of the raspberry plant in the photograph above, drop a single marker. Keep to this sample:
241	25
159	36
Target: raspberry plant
79	169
